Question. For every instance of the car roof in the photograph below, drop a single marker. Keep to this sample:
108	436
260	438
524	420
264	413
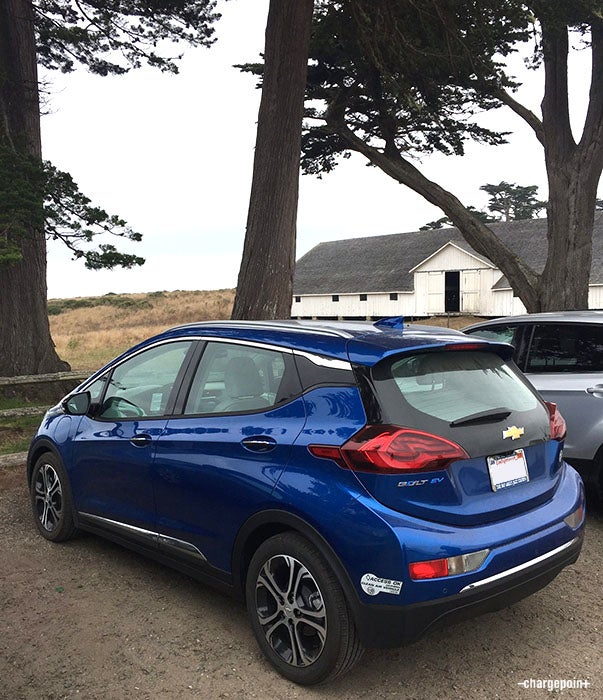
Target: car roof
357	341
587	316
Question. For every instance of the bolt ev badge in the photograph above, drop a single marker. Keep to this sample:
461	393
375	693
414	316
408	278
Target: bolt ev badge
513	432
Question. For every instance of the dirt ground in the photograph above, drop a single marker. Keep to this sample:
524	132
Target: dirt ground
88	619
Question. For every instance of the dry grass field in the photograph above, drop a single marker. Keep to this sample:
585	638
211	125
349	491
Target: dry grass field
89	331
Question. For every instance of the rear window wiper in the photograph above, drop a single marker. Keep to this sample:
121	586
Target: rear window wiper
490	416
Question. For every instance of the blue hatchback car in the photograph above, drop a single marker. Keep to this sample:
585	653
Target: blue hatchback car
357	484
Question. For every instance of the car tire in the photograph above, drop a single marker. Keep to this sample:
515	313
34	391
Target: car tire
51	500
298	611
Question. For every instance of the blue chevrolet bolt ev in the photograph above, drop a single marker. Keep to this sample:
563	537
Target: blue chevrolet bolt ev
357	484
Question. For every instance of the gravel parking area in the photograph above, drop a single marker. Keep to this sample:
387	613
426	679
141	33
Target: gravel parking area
88	619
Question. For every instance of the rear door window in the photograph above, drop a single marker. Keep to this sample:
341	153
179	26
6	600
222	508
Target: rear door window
233	378
566	347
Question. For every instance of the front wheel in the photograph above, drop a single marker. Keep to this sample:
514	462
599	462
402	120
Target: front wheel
51	499
298	611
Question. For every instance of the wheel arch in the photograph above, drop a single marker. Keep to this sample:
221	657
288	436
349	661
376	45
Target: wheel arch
261	526
597	480
37	449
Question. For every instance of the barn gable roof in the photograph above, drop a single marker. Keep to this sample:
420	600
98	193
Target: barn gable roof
469	252
384	263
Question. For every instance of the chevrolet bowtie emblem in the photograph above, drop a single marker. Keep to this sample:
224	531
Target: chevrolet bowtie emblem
513	432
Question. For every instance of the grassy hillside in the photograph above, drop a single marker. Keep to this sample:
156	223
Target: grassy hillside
89	331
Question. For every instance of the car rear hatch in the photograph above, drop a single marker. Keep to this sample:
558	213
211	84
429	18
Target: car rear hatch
456	435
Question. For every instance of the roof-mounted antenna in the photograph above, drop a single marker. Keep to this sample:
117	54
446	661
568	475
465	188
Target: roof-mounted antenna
396	322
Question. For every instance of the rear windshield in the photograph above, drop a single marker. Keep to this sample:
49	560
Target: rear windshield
452	385
452	392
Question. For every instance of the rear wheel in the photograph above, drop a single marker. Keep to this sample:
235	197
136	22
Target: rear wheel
298	611
51	499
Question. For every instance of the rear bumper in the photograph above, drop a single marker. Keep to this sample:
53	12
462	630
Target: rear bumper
387	626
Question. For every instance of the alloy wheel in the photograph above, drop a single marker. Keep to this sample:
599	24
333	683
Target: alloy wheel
48	497
291	610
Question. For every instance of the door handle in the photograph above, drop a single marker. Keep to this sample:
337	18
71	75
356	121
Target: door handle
141	440
259	443
596	390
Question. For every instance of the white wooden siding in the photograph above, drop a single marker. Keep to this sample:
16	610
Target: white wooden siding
595	296
505	303
322	305
450	257
477	296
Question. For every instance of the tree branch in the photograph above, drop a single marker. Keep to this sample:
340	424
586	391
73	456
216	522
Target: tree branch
524	280
527	115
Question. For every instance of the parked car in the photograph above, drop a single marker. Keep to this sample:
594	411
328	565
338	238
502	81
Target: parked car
357	484
562	356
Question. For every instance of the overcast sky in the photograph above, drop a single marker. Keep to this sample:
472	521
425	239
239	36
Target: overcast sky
173	156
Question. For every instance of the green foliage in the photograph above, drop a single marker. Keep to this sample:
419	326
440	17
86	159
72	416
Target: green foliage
509	201
109	37
405	76
36	196
113	36
21	196
71	218
16	433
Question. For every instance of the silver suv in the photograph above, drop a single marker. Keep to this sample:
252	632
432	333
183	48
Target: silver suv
561	354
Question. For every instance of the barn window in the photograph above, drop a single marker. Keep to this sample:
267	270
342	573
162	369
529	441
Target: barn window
297	299
335	297
363	297
393	296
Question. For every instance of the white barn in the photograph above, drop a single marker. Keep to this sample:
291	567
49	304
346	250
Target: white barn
422	273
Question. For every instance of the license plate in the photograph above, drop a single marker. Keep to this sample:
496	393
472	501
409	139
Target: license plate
508	471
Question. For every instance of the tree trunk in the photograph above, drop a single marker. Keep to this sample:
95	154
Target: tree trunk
573	172
265	284
25	343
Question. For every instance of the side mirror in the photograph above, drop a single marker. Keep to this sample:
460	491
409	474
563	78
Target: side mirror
77	404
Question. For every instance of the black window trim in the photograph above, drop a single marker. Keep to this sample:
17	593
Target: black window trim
189	366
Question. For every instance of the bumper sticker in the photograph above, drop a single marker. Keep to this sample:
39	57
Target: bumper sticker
372	585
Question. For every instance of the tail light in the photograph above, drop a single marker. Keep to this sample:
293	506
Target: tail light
558	427
389	449
451	566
